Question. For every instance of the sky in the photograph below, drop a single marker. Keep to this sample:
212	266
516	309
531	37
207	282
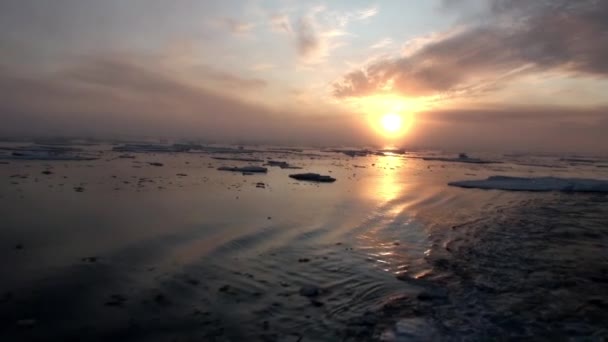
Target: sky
511	75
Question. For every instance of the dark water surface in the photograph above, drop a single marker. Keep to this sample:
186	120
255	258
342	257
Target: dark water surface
388	252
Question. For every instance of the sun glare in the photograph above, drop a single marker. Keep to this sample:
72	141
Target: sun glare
391	117
391	123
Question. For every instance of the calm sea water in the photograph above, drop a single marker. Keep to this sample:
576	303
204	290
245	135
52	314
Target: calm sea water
184	252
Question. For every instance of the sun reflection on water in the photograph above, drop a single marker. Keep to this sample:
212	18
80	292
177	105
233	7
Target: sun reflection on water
389	185
392	239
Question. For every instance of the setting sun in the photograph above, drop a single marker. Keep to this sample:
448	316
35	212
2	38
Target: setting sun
391	123
390	117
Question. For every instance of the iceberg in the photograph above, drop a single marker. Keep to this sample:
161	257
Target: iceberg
535	184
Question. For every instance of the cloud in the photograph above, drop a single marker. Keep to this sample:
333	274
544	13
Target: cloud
315	35
262	66
382	43
367	13
312	45
107	71
236	26
280	23
116	96
230	80
308	41
519	37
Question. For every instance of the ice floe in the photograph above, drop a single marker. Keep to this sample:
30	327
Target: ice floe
251	160
536	184
462	158
247	169
48	153
282	164
580	160
48	156
156	148
352	153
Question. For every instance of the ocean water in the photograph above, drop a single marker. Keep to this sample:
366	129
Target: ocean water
119	249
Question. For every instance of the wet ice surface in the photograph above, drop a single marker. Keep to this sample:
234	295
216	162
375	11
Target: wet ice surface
164	247
537	268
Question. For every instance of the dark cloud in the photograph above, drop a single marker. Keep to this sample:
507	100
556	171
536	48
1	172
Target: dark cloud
118	97
516	37
308	42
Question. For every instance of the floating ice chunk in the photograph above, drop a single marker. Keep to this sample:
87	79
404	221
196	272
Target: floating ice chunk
282	164
580	160
313	177
37	148
47	156
155	148
142	148
251	160
536	184
352	153
462	158
277	163
244	169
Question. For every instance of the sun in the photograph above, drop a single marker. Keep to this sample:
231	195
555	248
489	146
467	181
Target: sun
391	123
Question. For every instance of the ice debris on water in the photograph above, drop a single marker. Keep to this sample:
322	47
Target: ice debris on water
47	156
258	169
462	158
251	160
536	184
282	164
